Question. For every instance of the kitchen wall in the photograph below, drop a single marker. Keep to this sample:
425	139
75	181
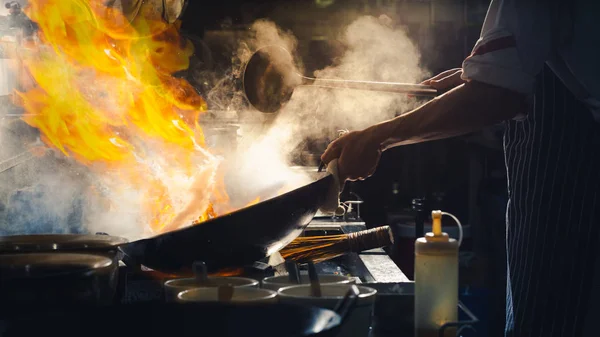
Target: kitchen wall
444	30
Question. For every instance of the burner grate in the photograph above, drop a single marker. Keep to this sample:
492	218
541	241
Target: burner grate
146	285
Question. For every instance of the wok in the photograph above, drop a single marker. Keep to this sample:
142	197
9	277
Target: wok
237	239
270	78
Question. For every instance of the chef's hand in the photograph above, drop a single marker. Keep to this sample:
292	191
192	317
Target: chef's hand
446	80
357	152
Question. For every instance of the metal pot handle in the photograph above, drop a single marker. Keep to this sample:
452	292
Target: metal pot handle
347	304
293	272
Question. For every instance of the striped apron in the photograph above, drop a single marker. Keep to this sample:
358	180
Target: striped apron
553	225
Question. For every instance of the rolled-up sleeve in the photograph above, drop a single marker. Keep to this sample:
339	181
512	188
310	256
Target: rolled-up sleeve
516	40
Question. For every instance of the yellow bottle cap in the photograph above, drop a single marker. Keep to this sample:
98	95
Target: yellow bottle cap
436	226
436	234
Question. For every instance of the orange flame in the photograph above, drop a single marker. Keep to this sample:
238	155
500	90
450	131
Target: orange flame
223	273
106	96
253	202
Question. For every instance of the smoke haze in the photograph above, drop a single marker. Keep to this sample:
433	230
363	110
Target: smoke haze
261	161
374	51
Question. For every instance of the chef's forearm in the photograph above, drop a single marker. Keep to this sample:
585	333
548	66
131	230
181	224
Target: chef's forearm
467	108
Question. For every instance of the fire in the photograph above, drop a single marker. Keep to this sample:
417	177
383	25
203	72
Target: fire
105	95
229	272
253	202
223	273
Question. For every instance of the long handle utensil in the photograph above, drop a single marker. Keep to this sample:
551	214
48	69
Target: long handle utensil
270	78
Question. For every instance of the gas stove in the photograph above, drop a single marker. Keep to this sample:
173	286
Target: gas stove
373	266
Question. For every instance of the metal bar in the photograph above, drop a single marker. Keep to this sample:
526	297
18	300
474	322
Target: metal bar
461	325
15	161
392	87
382	267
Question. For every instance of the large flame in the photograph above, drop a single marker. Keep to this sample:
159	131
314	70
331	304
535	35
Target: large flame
106	95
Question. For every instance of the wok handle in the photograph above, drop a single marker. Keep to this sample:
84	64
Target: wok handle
346	304
322	165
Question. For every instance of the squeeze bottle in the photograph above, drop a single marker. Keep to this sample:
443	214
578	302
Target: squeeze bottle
436	280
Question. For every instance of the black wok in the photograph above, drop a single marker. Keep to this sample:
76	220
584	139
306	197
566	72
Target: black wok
236	239
160	319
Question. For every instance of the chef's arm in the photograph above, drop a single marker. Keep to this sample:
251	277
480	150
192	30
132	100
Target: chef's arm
517	38
466	108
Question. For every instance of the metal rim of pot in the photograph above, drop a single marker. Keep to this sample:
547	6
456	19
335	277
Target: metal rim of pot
58	242
48	265
100	244
51	278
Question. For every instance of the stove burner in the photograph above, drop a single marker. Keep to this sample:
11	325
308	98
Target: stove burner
145	284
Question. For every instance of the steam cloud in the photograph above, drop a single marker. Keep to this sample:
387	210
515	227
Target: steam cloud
261	162
376	51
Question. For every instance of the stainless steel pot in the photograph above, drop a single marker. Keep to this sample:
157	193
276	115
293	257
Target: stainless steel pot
98	244
175	286
90	283
238	295
55	279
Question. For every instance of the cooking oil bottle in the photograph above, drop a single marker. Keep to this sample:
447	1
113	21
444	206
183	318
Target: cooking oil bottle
436	279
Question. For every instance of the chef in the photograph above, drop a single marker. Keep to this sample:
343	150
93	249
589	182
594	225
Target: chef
536	68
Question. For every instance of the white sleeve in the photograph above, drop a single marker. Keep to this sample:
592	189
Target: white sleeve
516	40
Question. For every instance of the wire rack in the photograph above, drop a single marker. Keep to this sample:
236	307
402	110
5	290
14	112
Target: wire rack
464	327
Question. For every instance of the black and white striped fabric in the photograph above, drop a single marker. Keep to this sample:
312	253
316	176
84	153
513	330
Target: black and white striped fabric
553	223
